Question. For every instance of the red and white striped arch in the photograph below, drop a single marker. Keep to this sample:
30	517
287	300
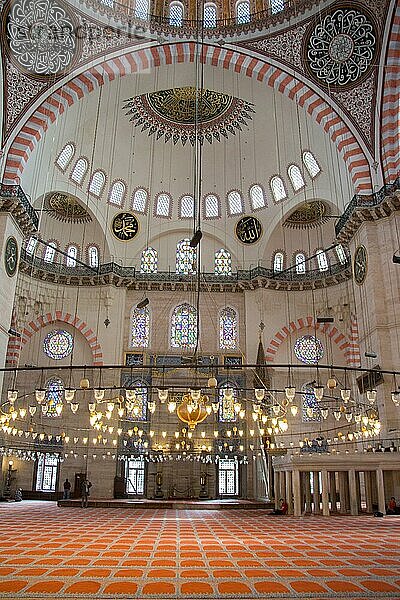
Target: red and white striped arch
390	126
348	345
184	52
15	344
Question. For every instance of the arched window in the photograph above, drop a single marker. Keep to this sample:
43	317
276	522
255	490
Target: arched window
54	396
142	9
117	193
72	253
176	14
163	206
97	183
322	260
139	200
50	252
137	408
278	188
278	262
341	254
257	198
311	164
210	15
235	203
228	329
300	260
31	245
79	171
184	326
93	256
148	261
140	328
211	207
65	156
185	258
227	397
242	12
186	208
223	262
296	177
310	407
277	6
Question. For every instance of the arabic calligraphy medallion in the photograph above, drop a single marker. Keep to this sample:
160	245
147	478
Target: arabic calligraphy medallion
248	230
125	226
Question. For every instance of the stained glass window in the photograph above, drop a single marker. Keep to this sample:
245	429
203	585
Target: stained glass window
235	203
278	189
228	329
93	255
79	170
117	193
308	349
50	252
296	177
223	262
65	156
300	263
186	210
185	258
139	200
72	253
243	12
54	396
278	262
226	403
58	344
148	262
311	164
210	15
140	327
31	245
176	14
97	183
310	407
211	206
138	406
341	254
184	327
322	260
163	206
257	197
141	9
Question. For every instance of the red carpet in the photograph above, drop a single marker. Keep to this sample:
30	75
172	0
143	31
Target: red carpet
49	552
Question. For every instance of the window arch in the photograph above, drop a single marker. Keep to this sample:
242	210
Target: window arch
137	408
341	254
278	188
97	183
184	326
163	205
93	256
228	329
72	255
227	412
140	328
31	245
311	164
54	396
117	193
210	15
142	9
50	252
310	407
257	197
65	156
176	13
242	12
235	203
185	258
296	177
300	261
223	262
139	200
277	6
79	171
322	260
149	260
278	262
212	209
186	207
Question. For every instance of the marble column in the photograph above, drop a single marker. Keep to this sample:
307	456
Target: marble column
316	499
343	491
332	487
353	493
296	492
368	490
307	487
282	485
381	491
325	494
289	493
277	475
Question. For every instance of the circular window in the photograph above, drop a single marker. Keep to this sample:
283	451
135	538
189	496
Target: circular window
58	344
308	349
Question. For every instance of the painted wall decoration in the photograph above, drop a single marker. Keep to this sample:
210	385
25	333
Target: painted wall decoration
66	208
11	256
308	215
248	230
125	226
172	114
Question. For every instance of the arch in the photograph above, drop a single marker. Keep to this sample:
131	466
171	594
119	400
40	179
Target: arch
185	52
15	344
347	344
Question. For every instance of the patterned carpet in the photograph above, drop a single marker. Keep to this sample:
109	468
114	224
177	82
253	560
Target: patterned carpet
49	552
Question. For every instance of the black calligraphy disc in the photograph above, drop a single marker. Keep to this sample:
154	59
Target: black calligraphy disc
125	226
11	256
248	230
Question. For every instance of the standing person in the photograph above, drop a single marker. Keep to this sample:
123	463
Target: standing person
67	489
85	490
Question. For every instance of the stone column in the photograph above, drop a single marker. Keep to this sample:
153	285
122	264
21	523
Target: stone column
358	488
332	477
317	508
343	491
282	485
307	491
353	493
381	491
296	492
325	494
289	493
277	475
368	490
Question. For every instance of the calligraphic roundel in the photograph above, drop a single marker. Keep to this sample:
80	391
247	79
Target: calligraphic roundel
125	226
248	230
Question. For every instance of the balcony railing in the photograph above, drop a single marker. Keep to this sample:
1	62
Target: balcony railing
14	199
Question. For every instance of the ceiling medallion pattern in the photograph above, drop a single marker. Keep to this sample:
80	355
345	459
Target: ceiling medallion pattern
172	114
40	36
66	208
341	47
308	215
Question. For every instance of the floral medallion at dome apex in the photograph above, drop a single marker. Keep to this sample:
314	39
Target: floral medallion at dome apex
41	36
308	215
173	114
340	48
